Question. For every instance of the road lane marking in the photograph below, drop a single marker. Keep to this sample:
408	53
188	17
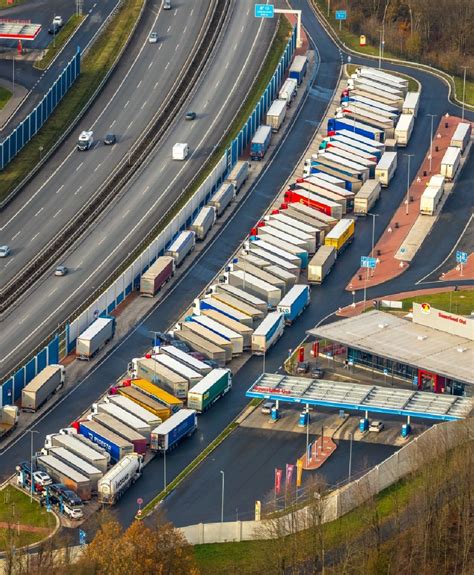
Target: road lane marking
60	188
53	290
112	124
177	46
78	190
16	235
58	212
8	263
161	46
155	86
139	83
150	64
79	166
39	212
145	190
191	13
184	31
129	126
217	83
97	167
169	28
166	67
128	102
144	104
34	237
101	241
25	318
79	264
227	65
125	214
174	13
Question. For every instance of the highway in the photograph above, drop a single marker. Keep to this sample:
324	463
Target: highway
325	299
39	81
127	222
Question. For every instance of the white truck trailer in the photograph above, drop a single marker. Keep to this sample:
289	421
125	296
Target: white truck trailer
42	387
404	128
276	115
123	474
95	337
239	174
203	222
450	163
182	246
268	333
321	264
385	169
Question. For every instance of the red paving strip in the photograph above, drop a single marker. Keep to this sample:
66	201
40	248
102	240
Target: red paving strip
396	232
455	273
318	455
29	528
350	311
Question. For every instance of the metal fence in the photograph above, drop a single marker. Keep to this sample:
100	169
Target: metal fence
23	133
64	342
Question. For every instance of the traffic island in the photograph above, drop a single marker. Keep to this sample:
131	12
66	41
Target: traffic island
319	453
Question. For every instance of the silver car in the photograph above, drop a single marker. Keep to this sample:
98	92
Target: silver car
4	251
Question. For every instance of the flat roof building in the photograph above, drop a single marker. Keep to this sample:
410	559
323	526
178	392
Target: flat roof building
434	351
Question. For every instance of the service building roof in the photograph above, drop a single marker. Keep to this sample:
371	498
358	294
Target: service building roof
359	397
401	340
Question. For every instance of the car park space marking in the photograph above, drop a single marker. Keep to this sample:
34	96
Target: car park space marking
101	241
16	235
79	166
191	13
60	188
39	212
176	10
184	31
227	65
8	263
79	264
217	83
34	237
58	212
161	45
97	167
78	190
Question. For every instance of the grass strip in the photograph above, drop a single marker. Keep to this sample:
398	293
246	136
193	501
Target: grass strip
351	40
188	470
57	44
459	302
5	95
94	67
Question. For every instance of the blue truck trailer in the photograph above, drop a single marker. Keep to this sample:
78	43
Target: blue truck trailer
168	434
115	445
298	68
294	303
260	142
335	124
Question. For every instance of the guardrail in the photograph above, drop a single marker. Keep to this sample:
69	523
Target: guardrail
63	342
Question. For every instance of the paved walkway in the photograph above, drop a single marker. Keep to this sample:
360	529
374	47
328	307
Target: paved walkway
455	273
397	243
28	528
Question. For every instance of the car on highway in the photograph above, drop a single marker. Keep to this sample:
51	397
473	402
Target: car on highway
58	20
166	4
190	116
153	38
376	426
267	407
4	251
60	271
110	139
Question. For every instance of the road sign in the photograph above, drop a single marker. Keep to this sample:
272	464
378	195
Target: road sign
139	501
82	537
341	14
366	262
264	10
461	257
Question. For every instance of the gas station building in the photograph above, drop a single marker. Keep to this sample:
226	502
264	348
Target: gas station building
434	350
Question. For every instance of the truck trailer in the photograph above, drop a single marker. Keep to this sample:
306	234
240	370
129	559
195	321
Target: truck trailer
341	235
430	199
42	387
315	201
202	345
203	395
76	462
298	68
271	294
79	448
310	240
155	372
366	197
411	103
294	303
282	252
273	259
143	400
63	473
321	264
404	129
128	405
214	304
203	222
222	198
288	91
181	247
156	276
116	426
276	115
186	358
123	416
268	333
309	229
244	330
385	169
461	136
450	163
262	273
260	142
336	124
116	481
239	174
95	337
168	435
188	373
210	336
221	330
9	415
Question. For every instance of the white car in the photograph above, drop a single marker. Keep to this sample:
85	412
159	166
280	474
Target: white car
153	38
376	426
58	20
4	251
42	478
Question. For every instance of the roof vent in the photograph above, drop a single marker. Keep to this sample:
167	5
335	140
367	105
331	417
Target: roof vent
382	325
461	349
421	337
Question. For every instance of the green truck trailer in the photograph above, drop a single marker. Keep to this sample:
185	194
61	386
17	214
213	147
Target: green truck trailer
213	386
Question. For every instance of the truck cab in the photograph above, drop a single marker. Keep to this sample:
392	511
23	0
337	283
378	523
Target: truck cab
85	140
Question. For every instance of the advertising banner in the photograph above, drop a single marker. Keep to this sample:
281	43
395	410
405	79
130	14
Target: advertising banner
278	474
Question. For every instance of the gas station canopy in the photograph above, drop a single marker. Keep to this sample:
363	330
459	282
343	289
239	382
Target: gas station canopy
359	397
18	30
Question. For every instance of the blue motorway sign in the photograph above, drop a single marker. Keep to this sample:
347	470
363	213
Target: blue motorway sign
461	257
341	14
366	262
82	537
264	10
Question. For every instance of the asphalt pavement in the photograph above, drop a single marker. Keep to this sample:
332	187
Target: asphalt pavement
42	12
325	300
216	100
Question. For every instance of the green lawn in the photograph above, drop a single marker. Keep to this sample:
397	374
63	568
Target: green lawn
5	95
56	44
461	302
352	41
93	68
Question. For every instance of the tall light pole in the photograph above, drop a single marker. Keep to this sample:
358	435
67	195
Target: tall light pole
13	74
164	470
382	34
373	233
222	497
409	156
431	141
350	457
463	91
32	481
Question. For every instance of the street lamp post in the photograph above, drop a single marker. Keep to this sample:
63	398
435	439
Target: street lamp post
353	298
463	91
409	156
222	497
373	235
431	141
13	75
32	482
350	456
164	470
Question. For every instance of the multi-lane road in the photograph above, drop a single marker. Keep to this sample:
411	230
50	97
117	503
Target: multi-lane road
216	100
326	299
